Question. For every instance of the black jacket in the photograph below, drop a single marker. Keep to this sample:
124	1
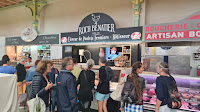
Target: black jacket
21	72
86	86
129	89
38	85
66	92
104	85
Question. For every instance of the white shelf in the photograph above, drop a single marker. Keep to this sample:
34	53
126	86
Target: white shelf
43	56
44	49
128	54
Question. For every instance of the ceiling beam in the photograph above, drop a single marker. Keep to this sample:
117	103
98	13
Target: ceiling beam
11	1
23	0
21	4
15	5
3	3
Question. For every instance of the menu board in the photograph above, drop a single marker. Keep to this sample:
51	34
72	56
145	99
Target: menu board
41	39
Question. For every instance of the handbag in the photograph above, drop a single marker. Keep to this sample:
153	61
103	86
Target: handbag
36	105
23	100
116	95
84	105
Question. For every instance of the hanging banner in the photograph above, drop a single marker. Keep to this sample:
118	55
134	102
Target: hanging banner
100	28
187	29
41	39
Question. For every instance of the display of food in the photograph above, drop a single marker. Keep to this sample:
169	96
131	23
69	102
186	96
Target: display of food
186	95
153	101
152	93
185	105
190	96
197	96
120	61
146	99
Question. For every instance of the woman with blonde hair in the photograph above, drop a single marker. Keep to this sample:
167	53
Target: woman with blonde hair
86	83
41	84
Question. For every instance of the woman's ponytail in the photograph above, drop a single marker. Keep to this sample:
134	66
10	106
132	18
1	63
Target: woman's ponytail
165	68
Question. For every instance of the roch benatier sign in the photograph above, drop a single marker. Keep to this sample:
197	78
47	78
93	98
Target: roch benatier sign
101	28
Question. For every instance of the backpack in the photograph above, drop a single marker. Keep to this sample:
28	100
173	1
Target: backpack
173	101
129	94
109	73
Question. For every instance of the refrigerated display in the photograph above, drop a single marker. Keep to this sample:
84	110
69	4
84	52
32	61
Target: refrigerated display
189	88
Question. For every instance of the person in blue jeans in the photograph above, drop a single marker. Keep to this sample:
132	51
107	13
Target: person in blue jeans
103	88
52	76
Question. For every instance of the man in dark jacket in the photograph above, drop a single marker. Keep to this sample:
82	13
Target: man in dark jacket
66	88
21	75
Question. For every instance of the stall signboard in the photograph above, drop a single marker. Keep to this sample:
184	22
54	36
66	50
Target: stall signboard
41	39
187	29
101	28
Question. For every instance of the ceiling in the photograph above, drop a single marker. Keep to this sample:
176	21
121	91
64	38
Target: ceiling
5	4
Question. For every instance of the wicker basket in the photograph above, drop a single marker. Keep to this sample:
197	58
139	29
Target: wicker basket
120	61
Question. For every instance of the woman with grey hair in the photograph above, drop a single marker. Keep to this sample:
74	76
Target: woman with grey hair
164	81
86	83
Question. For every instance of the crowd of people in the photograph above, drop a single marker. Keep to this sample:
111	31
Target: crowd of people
75	87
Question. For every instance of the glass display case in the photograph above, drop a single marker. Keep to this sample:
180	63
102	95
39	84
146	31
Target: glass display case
189	87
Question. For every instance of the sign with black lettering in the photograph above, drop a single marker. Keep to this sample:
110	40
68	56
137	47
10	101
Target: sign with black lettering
41	39
132	34
101	28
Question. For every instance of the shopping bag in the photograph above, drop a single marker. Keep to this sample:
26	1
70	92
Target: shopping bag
36	105
23	100
116	95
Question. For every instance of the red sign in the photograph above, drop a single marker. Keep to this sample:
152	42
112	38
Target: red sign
173	35
123	74
64	40
186	28
136	35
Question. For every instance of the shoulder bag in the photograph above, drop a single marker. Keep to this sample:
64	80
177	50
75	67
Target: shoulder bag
116	95
93	90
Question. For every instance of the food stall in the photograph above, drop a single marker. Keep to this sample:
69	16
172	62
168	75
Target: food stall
178	45
98	36
38	48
